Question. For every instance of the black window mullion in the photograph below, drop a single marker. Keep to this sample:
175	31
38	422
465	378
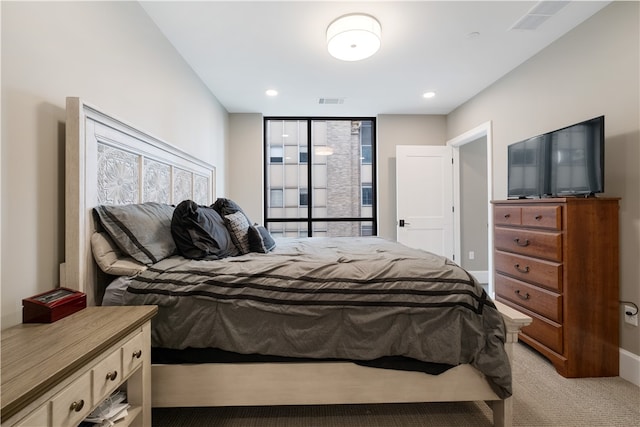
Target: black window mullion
310	220
309	178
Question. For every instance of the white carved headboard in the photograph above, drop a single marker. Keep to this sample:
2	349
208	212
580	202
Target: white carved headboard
109	162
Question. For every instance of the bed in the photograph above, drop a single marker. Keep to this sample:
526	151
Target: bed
111	163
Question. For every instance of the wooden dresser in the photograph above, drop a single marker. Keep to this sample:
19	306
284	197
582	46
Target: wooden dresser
55	374
556	260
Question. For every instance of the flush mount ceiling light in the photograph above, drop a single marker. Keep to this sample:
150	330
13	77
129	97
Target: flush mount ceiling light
353	37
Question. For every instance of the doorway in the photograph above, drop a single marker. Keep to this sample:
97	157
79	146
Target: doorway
480	135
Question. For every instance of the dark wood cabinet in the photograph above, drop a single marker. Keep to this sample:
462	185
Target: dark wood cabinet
556	260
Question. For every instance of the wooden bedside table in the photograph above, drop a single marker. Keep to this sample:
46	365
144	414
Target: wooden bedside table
56	374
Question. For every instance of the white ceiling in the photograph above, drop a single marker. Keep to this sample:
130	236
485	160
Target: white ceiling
240	49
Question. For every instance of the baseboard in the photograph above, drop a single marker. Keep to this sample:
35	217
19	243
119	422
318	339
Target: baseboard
481	276
630	367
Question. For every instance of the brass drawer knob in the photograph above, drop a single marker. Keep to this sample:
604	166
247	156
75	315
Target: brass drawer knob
111	376
137	354
77	405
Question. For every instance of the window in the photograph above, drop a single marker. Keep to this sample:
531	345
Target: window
276	154
277	199
366	145
331	175
367	195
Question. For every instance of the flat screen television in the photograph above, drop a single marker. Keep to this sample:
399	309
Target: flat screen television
565	162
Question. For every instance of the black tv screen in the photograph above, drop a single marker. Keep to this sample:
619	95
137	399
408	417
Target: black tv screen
565	162
527	161
577	159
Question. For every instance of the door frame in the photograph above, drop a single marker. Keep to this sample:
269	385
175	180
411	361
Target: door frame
482	130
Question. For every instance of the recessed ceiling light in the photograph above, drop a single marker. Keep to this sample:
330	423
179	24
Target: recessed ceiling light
271	92
428	95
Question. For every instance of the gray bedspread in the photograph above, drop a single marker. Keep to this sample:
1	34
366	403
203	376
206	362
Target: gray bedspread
345	298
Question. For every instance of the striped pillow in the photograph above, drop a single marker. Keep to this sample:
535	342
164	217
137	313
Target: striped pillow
238	226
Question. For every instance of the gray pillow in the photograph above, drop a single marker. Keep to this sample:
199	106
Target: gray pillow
260	240
142	231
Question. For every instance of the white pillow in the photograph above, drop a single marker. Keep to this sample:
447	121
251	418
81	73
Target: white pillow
111	260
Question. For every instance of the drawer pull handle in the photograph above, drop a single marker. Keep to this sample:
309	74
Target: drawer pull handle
111	376
519	243
77	405
522	270
137	354
507	216
538	217
524	296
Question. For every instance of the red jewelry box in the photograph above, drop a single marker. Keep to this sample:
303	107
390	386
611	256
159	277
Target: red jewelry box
52	305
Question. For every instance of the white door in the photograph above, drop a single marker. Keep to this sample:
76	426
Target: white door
424	191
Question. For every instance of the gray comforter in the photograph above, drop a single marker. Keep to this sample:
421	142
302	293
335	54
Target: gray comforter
345	298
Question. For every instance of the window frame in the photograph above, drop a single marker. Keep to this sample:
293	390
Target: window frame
310	219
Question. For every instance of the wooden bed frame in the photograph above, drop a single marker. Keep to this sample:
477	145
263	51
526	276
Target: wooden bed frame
111	162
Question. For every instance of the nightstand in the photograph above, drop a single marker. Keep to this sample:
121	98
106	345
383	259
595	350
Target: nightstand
56	374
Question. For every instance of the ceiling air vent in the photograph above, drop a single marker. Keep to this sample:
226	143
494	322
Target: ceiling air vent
538	15
334	101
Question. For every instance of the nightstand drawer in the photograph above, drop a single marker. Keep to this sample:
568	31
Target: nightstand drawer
133	354
73	404
544	273
541	301
539	244
39	417
106	376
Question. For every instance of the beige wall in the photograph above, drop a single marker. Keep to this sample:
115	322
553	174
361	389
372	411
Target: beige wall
593	70
245	159
474	219
114	57
245	171
400	130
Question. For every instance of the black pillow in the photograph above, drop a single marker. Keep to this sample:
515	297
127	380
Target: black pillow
200	232
226	207
260	240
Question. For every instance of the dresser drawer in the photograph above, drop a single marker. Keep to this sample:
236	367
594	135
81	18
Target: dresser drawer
507	215
544	273
547	245
541	301
133	354
545	332
106	376
542	217
73	404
